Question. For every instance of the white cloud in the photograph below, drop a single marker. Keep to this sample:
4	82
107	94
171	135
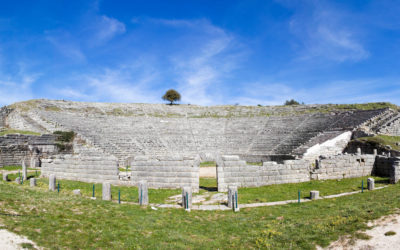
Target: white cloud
17	87
108	27
213	56
127	83
326	32
66	44
349	91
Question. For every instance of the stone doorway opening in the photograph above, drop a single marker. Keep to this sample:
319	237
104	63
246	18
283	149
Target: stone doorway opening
208	176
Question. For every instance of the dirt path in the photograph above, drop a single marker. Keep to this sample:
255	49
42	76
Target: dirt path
378	238
11	241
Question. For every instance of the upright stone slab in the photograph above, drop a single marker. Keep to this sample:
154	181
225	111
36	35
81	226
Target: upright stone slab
32	182
395	172
314	194
106	191
187	198
52	182
24	171
5	177
233	198
33	162
375	151
143	193
370	183
389	155
358	151
18	180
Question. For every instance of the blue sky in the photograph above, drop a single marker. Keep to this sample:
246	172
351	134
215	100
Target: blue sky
212	52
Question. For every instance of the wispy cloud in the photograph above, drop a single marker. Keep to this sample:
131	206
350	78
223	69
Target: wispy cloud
17	87
66	44
344	91
127	83
105	28
326	32
214	55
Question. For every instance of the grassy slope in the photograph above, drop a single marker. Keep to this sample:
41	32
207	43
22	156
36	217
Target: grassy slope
382	140
75	222
14	131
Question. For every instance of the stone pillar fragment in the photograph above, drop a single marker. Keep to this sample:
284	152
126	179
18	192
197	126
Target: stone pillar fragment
5	177
33	162
143	193
52	182
24	171
18	180
233	198
106	191
370	183
358	151
395	172
314	194
32	182
187	198
375	151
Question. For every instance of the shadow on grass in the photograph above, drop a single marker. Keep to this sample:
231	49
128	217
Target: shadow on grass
209	189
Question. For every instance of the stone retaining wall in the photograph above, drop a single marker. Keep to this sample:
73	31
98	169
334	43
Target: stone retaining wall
343	166
233	171
88	168
166	171
15	147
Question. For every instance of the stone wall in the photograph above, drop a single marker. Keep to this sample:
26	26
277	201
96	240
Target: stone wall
343	166
166	171
233	171
89	167
15	147
290	171
383	165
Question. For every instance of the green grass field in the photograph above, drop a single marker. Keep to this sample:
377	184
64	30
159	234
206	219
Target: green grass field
62	220
14	131
382	140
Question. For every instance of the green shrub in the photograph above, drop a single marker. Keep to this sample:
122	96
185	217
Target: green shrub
65	136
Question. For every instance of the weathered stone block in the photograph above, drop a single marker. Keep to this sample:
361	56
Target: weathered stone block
233	198
106	191
18	180
143	193
5	177
77	192
24	171
370	183
314	195
32	182
52	182
187	198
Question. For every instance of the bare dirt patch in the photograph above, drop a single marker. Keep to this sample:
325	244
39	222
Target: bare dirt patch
385	234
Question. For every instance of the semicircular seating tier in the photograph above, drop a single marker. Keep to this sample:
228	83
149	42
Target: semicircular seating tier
128	130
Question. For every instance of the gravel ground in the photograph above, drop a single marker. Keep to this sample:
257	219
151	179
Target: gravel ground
378	238
11	241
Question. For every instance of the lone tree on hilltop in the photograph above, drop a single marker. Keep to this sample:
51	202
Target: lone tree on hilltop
292	102
172	96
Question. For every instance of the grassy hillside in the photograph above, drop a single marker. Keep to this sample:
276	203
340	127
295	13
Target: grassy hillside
381	141
75	222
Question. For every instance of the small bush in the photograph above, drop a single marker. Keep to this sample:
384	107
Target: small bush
292	102
65	136
390	233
